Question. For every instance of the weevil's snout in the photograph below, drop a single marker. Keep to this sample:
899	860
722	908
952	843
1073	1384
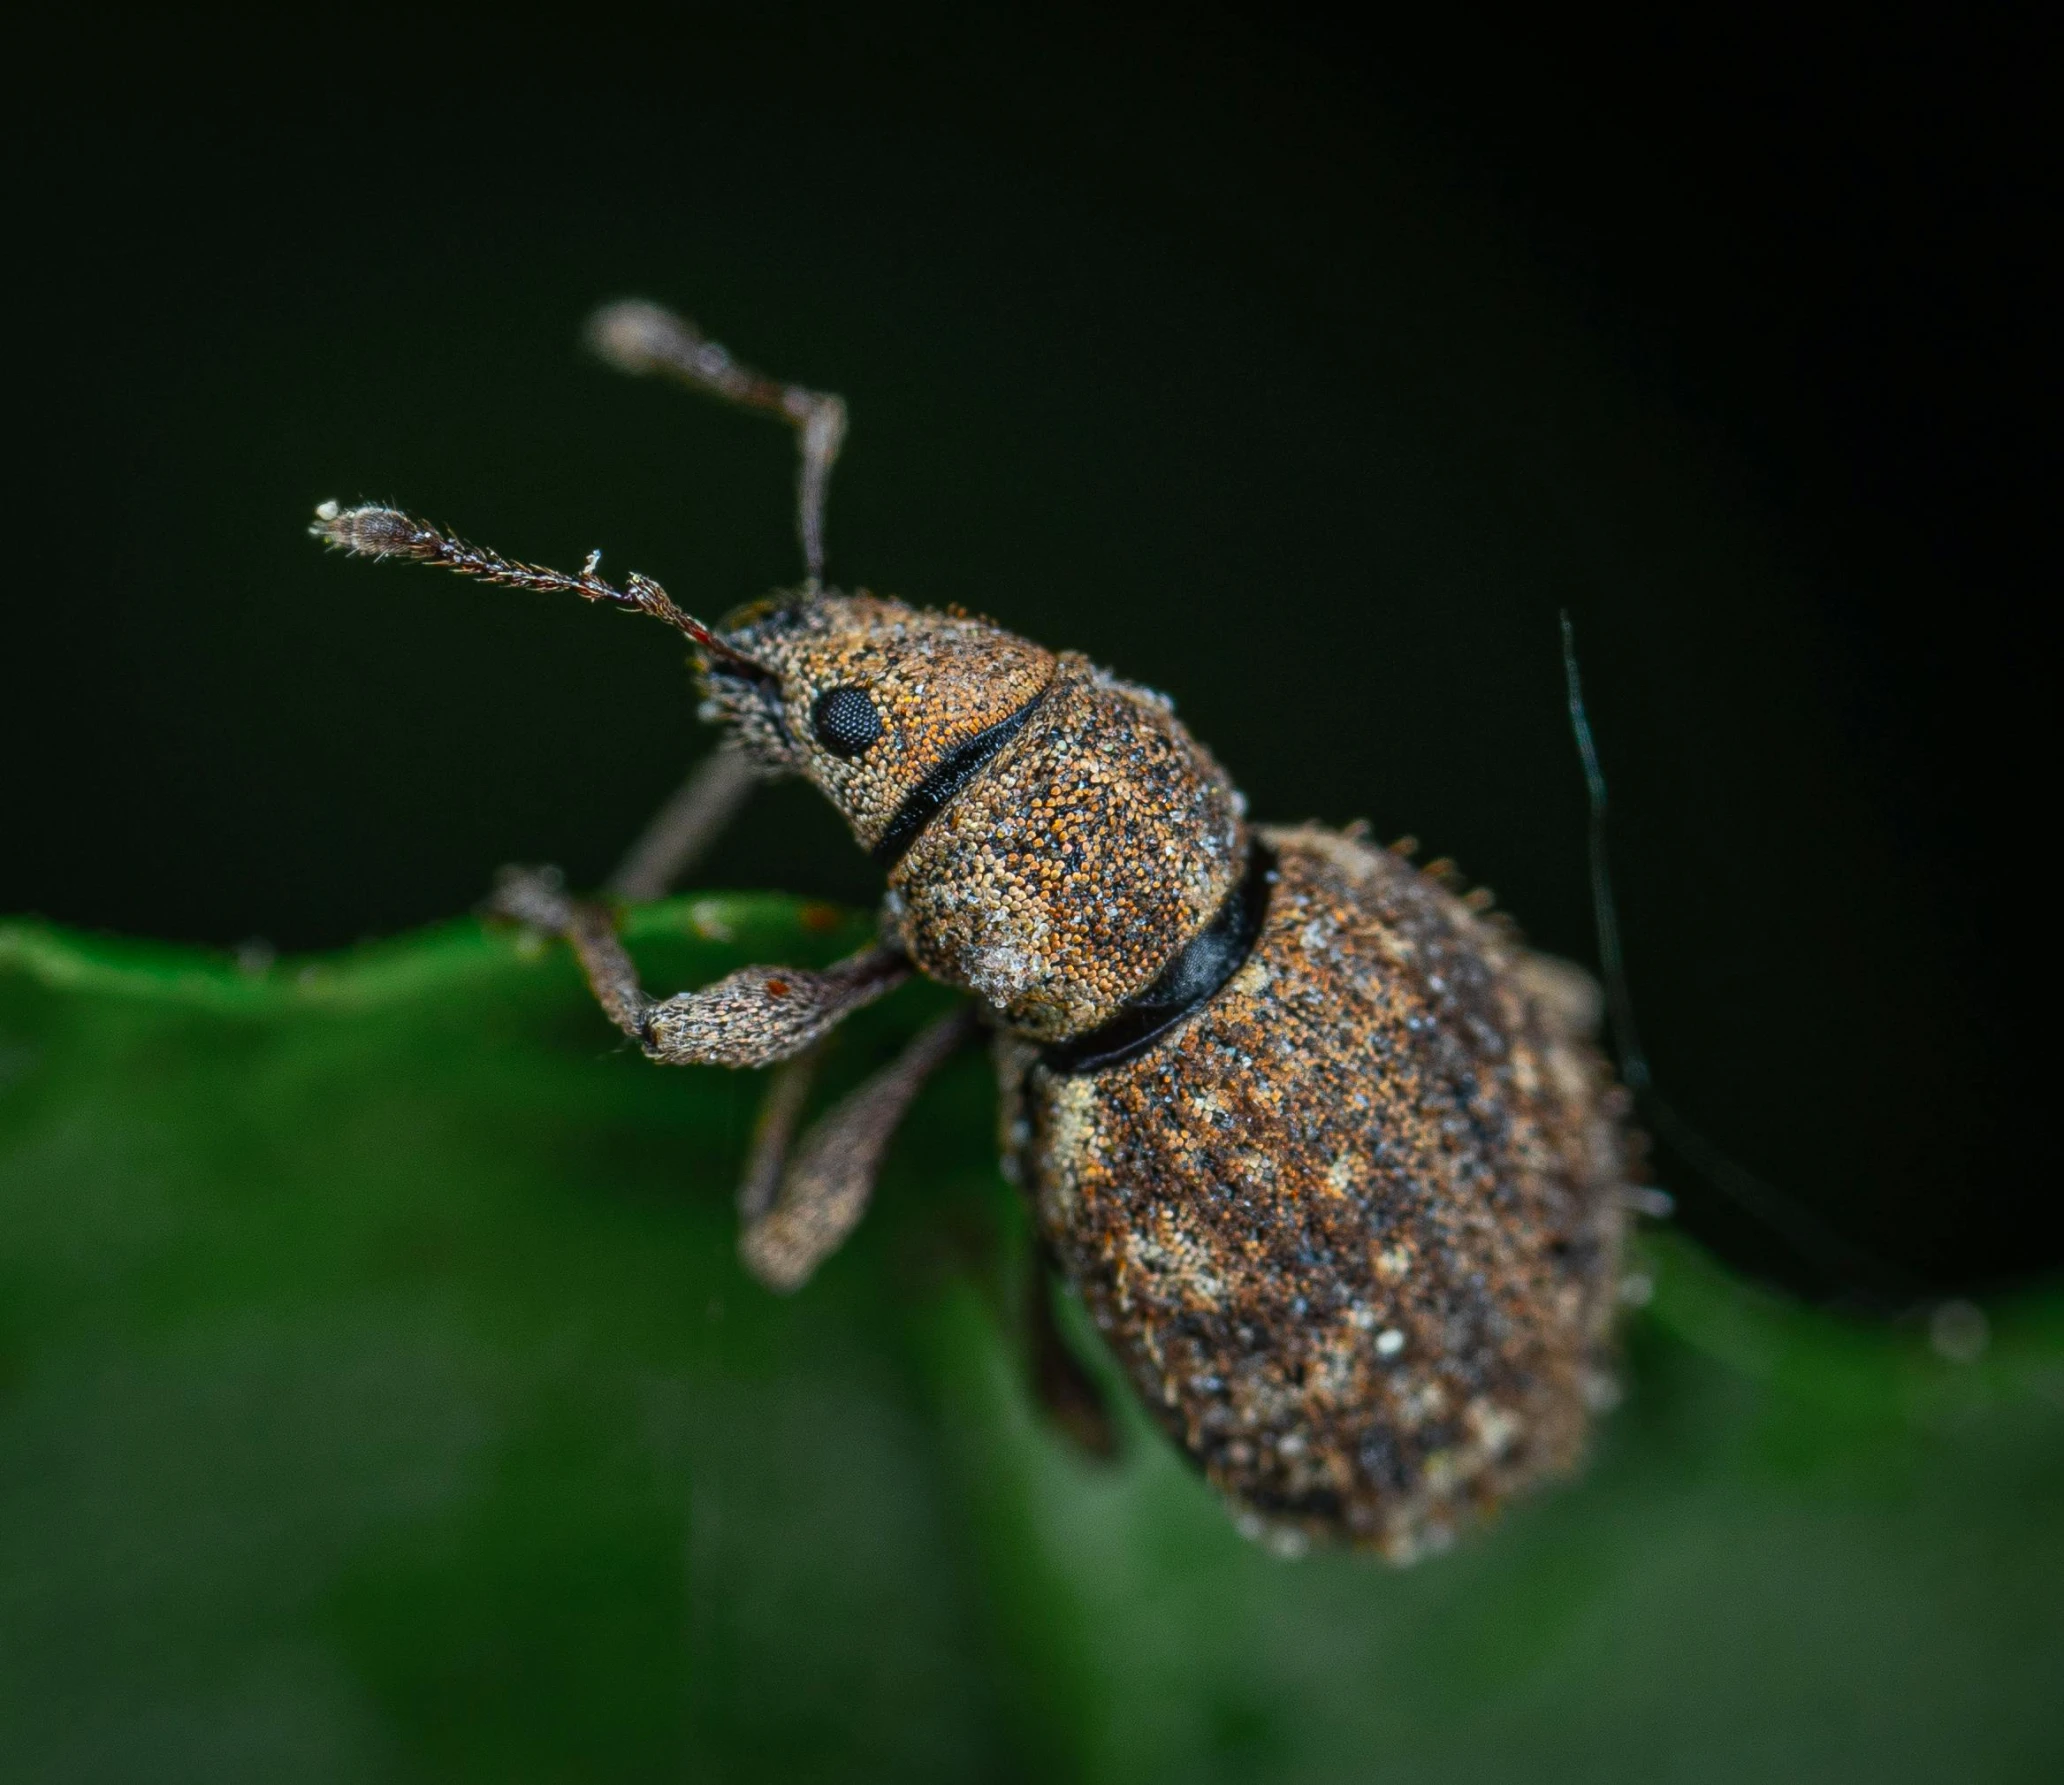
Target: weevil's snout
868	697
753	709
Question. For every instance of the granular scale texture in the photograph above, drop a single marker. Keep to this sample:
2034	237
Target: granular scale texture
1332	1160
1354	1227
935	680
1085	857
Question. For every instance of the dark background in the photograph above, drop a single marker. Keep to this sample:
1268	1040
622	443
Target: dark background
1303	375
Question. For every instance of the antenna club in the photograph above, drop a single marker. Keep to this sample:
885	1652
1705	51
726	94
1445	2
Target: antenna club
367	532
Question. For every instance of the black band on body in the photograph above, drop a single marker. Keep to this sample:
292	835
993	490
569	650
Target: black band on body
956	769
1193	978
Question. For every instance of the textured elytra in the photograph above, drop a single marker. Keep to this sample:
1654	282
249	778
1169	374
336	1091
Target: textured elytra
1354	1227
1332	1160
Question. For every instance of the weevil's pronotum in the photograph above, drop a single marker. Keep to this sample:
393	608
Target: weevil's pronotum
1326	1150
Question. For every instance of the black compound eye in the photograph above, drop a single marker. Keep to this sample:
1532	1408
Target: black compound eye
845	721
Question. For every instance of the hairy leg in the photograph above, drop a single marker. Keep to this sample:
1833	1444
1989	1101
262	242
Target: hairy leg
826	1188
749	1018
781	1111
635	336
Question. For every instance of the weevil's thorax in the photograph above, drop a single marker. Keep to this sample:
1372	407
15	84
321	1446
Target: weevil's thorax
1055	838
1100	843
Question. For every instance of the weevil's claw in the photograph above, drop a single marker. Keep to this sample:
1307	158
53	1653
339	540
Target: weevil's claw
533	896
635	336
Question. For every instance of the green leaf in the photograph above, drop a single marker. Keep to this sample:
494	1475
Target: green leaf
380	1398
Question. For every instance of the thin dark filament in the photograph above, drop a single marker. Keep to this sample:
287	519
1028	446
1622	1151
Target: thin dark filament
1619	1002
376	532
1805	1231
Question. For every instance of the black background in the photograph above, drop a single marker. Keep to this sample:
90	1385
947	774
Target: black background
1305	375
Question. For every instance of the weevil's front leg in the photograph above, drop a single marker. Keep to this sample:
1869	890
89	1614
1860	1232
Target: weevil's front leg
686	825
826	1188
749	1018
635	336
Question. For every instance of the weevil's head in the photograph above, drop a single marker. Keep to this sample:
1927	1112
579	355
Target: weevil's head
867	698
1055	839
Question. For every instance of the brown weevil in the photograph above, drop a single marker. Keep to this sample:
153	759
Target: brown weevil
1327	1151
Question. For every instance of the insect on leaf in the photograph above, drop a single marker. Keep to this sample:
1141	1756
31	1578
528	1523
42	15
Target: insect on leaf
381	1397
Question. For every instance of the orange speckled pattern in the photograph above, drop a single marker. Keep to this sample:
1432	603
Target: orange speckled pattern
1344	1190
936	680
1084	858
1354	1227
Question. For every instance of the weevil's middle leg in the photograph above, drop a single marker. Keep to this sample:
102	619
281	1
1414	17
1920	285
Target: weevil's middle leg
686	825
749	1018
826	1188
781	1112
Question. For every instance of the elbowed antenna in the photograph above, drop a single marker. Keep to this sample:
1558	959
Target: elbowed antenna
376	532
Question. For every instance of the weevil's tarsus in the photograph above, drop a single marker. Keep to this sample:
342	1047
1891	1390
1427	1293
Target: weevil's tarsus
533	896
1647	1199
1072	1398
752	1017
682	829
762	1014
1812	1238
645	338
374	531
826	1187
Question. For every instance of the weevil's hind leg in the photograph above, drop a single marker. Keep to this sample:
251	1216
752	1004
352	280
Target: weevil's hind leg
781	1111
685	826
826	1188
635	336
749	1018
1071	1397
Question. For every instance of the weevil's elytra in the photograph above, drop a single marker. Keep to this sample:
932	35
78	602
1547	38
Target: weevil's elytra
1329	1154
1354	1227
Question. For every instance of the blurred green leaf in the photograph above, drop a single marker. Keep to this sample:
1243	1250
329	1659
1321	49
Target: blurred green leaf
380	1398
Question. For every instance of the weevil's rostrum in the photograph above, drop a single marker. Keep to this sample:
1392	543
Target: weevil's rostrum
1329	1154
